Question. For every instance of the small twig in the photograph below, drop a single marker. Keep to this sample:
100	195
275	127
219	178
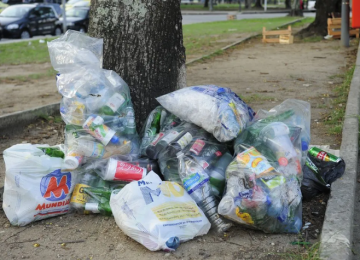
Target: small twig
72	242
25	241
232	243
16	234
320	57
306	235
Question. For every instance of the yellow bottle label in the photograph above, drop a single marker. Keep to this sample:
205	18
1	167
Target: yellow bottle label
79	196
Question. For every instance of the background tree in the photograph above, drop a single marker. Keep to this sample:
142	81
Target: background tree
288	4
295	9
143	43
258	4
324	8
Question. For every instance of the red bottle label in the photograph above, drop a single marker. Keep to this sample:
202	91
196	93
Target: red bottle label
197	146
128	172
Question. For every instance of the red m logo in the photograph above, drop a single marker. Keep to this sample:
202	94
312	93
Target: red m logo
56	189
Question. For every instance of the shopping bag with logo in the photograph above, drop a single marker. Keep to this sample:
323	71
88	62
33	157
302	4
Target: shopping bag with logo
157	214
35	186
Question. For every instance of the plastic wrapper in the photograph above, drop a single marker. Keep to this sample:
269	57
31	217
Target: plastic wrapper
92	194
217	110
263	181
158	214
158	121
96	104
320	171
35	185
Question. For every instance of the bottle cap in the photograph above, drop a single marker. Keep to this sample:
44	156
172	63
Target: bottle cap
283	161
114	139
71	162
173	242
304	145
221	90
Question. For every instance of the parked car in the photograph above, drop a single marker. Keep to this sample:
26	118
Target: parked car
12	2
77	19
311	5
26	20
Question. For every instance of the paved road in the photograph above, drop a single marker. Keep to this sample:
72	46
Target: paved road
190	19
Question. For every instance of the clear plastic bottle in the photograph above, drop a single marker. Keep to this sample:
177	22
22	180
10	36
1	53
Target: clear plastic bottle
195	181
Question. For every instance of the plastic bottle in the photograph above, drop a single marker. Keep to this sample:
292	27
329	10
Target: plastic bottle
130	126
182	140
276	136
94	125
114	104
89	148
206	153
122	171
196	182
162	140
217	175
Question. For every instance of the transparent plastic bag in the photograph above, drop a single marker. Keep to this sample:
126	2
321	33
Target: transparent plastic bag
96	104
217	110
158	214
92	194
74	50
263	181
158	121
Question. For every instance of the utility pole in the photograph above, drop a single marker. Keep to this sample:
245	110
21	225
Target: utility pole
345	23
64	15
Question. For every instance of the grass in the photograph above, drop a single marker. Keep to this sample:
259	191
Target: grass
24	52
203	38
311	253
336	117
303	22
313	39
199	39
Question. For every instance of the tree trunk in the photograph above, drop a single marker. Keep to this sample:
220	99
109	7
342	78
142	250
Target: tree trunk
288	4
324	8
206	3
247	4
258	4
143	43
295	9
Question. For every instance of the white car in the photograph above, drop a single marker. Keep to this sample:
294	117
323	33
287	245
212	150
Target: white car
311	5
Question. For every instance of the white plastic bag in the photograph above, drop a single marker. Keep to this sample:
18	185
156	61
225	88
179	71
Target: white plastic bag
35	188
158	214
218	110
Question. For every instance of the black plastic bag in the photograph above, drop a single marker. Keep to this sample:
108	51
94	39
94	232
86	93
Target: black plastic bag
320	171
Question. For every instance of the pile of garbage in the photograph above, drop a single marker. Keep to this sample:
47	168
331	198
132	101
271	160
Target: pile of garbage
202	160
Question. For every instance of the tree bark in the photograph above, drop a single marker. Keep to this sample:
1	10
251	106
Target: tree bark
324	8
258	4
143	43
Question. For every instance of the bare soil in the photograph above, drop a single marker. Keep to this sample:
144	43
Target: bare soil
265	75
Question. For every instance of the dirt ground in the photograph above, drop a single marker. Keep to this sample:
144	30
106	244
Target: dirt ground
265	75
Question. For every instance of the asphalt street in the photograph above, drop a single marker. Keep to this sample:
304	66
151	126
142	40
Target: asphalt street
190	19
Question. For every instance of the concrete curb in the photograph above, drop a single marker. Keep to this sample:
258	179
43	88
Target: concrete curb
237	43
22	118
208	12
337	232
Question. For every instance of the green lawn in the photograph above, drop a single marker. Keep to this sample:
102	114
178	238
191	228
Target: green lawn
199	39
24	52
205	38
